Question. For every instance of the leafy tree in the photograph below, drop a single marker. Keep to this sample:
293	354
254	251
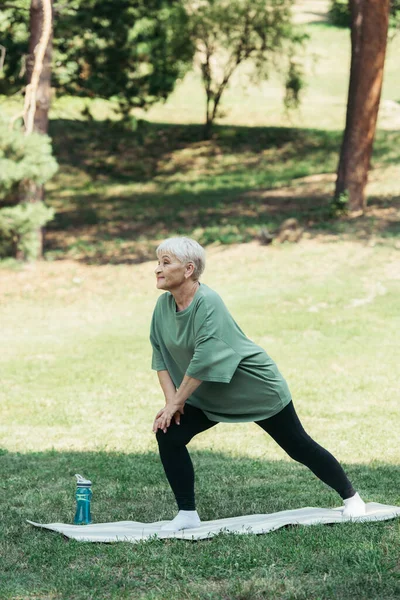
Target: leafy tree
131	50
227	33
22	225
369	30
22	158
339	13
14	35
26	161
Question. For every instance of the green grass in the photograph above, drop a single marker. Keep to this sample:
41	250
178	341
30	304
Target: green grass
78	396
118	192
145	190
349	561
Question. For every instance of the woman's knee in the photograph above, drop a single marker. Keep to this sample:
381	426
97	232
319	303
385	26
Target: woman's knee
173	437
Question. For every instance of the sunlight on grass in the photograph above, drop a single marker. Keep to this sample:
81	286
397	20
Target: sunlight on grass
75	350
78	395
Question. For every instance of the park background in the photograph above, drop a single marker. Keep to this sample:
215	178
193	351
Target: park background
77	392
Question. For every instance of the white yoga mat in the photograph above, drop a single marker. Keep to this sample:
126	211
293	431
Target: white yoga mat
133	531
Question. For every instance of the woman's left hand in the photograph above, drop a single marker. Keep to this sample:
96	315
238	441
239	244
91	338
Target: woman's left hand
164	417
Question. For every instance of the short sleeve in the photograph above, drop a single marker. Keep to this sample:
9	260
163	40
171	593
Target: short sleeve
157	361
213	360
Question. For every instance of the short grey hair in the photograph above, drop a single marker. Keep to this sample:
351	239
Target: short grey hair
187	251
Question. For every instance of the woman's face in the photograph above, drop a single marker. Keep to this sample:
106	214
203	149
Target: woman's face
170	272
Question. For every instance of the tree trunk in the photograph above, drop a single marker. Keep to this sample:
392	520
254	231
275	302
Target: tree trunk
369	29
34	192
43	93
209	122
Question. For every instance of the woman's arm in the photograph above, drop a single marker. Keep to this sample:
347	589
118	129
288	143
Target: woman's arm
186	389
167	385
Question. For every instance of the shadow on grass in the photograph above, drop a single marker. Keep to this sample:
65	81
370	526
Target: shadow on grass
40	486
119	191
106	149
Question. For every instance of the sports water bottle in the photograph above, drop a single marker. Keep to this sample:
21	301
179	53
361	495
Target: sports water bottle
83	496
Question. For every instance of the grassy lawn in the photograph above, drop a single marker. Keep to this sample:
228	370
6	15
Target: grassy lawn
78	395
118	192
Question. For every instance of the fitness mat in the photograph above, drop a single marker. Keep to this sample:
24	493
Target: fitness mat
133	531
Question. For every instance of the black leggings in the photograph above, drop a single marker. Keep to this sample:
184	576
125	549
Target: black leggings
284	427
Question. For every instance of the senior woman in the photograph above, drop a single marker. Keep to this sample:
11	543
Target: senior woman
210	372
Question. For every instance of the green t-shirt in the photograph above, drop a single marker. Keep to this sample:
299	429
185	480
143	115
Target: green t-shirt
240	381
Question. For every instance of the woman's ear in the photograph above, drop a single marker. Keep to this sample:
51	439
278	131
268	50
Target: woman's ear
189	270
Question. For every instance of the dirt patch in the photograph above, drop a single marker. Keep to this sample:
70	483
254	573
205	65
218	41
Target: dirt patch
381	219
311	11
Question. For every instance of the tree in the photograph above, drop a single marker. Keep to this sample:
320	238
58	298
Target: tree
132	51
226	33
369	29
38	67
38	91
23	158
26	153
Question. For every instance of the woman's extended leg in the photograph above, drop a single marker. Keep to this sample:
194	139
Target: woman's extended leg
285	428
175	457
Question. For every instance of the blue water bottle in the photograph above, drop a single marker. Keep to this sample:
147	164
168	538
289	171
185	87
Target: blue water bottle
83	496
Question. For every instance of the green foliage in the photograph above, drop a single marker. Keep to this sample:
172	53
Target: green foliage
19	227
340	205
23	158
223	234
25	161
294	85
339	13
227	33
395	13
14	23
132	50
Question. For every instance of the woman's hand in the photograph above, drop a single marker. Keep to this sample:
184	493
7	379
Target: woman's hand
175	400
164	416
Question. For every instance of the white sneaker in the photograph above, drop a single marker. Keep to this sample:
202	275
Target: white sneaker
354	506
185	519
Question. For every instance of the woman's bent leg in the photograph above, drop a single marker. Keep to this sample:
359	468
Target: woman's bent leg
285	428
175	458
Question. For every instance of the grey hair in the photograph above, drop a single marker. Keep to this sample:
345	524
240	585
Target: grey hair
187	251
